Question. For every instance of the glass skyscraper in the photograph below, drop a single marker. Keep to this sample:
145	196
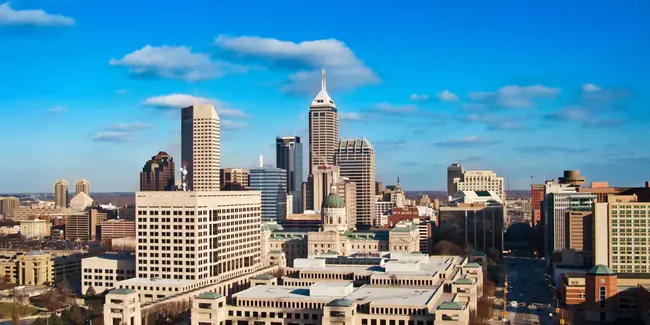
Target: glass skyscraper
288	156
272	182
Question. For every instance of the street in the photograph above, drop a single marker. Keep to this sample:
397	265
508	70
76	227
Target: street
530	299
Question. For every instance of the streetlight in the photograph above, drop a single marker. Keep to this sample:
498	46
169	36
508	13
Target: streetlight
557	304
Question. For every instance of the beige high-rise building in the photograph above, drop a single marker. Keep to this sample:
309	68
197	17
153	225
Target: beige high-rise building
204	237
200	147
234	175
323	128
480	180
82	185
347	189
61	193
320	183
7	206
356	160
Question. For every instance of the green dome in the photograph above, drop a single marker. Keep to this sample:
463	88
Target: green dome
333	200
600	270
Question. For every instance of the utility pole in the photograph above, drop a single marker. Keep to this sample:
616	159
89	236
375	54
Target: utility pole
504	313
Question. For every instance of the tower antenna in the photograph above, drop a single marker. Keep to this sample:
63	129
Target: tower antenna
323	79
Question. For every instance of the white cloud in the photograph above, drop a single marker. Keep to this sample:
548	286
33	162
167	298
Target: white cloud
57	109
350	116
177	101
447	96
590	88
418	98
464	142
175	62
9	16
112	136
514	96
388	108
344	69
127	127
569	113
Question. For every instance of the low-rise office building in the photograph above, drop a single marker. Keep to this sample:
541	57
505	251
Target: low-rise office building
103	272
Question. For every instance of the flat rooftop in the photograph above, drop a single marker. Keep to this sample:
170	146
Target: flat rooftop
113	257
150	282
382	295
411	264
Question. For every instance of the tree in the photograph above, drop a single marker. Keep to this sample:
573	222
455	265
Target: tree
39	321
489	288
484	308
15	315
90	292
54	320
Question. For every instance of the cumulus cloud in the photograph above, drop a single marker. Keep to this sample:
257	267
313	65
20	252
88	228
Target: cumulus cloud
58	109
514	96
583	116
38	17
590	88
344	69
119	132
495	123
568	113
419	98
177	101
447	96
175	62
350	116
389	108
232	125
468	141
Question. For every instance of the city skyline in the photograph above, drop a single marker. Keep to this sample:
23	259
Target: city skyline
531	102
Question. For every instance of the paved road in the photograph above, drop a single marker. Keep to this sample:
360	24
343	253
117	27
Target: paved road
527	285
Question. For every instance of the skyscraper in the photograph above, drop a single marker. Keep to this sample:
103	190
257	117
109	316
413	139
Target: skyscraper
454	172
61	193
323	128
272	182
288	156
158	174
200	147
82	185
356	161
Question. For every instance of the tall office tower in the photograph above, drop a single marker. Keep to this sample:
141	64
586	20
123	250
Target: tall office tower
158	174
201	147
7	206
378	187
233	178
348	191
621	228
356	160
320	183
288	156
454	174
82	185
536	198
272	183
61	194
323	128
480	180
202	236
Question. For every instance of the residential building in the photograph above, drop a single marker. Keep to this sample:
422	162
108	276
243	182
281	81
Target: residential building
35	229
271	182
159	173
61	194
7	206
201	147
356	160
236	176
323	128
80	202
103	272
288	155
82	185
116	228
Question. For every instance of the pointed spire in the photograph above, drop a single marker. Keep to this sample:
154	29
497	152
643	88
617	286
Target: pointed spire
397	179
323	80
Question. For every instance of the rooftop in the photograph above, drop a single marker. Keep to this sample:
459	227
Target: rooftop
121	291
209	295
155	281
112	257
600	270
392	263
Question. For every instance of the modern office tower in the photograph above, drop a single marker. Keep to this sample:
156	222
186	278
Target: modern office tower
288	156
7	206
573	178
621	228
356	160
202	236
579	222
61	194
477	225
82	185
320	183
480	180
232	178
454	174
159	173
378	187
201	147
272	183
323	128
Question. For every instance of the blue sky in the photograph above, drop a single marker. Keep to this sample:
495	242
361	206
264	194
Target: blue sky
526	88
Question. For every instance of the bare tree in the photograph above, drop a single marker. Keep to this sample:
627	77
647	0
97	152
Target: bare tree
484	308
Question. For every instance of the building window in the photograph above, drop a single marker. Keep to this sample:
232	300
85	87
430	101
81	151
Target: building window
602	297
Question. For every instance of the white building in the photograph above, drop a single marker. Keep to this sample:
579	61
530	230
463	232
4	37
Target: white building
35	228
103	272
470	197
480	180
201	147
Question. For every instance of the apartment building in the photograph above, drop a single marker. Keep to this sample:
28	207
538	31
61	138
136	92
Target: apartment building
103	272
